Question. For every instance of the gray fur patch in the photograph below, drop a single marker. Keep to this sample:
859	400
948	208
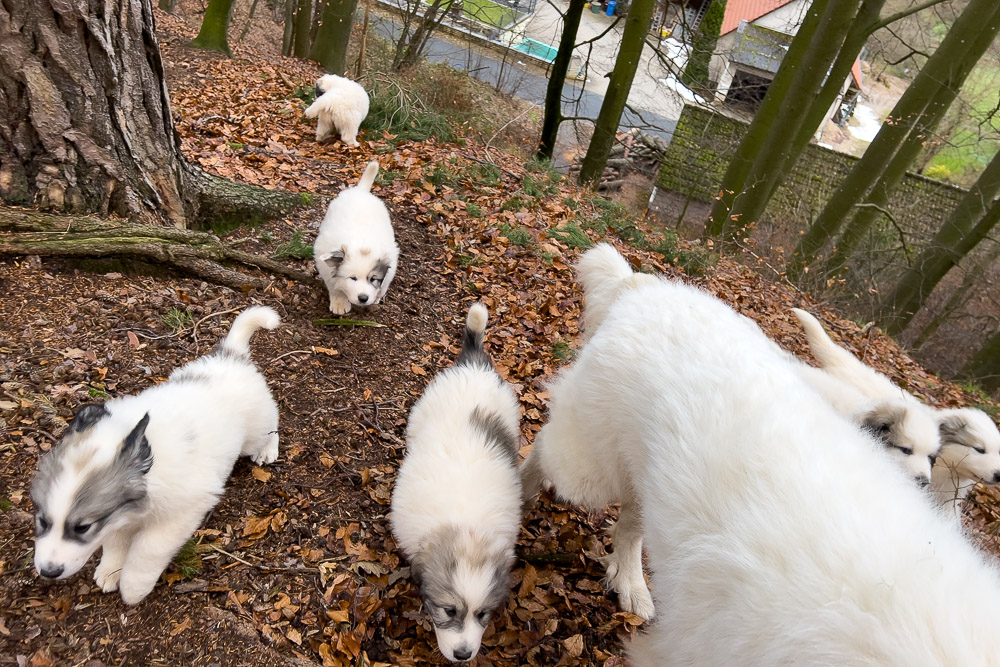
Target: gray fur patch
51	464
333	259
472	353
955	431
193	376
377	276
222	352
87	416
497	433
883	422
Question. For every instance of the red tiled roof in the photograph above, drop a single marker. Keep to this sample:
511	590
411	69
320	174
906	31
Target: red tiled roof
749	11
856	73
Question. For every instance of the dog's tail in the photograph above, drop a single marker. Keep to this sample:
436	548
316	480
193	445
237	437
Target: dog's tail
472	342
827	353
605	274
251	319
368	178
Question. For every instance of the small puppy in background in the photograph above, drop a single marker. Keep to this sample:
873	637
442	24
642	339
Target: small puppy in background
355	251
340	104
138	474
456	507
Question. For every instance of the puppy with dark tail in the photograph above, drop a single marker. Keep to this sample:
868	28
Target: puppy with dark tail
138	474
456	507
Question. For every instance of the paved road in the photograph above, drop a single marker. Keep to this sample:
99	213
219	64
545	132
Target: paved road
523	82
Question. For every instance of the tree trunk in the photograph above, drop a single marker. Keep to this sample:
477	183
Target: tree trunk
975	27
167	5
557	80
214	27
329	48
31	233
984	367
302	30
640	15
288	29
411	44
85	126
970	222
695	74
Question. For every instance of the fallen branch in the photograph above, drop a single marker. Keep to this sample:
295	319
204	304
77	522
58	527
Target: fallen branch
24	232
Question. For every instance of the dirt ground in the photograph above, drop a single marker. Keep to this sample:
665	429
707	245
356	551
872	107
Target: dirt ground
296	566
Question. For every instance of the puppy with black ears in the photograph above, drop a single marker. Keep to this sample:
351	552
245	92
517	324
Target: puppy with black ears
456	507
138	474
355	251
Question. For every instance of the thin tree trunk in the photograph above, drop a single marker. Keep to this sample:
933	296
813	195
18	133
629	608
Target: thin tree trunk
977	24
246	28
984	367
214	27
359	70
329	48
640	15
288	30
557	79
302	32
167	5
411	46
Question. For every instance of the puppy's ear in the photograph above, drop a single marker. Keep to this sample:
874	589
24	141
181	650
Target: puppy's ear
381	268
135	452
881	420
334	258
953	428
87	416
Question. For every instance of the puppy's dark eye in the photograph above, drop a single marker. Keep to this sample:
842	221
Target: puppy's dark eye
354	277
449	611
81	528
933	459
980	450
906	451
483	617
376	281
42	524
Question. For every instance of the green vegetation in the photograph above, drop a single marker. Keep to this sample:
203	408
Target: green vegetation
296	248
188	559
469	260
305	93
519	236
561	350
515	203
982	399
305	199
474	210
385	177
400	112
571	235
94	392
5	505
484	174
177	319
488	12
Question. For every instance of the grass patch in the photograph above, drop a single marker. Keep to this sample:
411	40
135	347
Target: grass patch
517	235
469	260
176	319
693	260
305	93
442	175
305	199
515	203
571	235
537	187
94	392
484	174
474	210
296	248
188	559
488	12
982	399
5	505
387	177
400	112
561	350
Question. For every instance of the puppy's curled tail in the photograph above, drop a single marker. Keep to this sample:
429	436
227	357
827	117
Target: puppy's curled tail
827	352
368	178
605	274
244	326
472	341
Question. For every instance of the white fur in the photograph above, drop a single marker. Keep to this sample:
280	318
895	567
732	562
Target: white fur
970	453
196	431
453	477
917	425
341	104
776	532
354	238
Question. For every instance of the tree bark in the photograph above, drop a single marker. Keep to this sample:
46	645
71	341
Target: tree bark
695	74
329	48
984	367
85	123
640	15
24	232
971	221
557	79
213	35
961	48
302	31
411	44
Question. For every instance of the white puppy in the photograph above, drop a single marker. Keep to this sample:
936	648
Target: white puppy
355	251
777	533
138	474
341	104
908	428
970	441
456	507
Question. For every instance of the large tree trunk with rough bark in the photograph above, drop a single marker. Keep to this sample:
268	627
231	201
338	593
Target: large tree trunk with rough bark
329	48
85	123
214	33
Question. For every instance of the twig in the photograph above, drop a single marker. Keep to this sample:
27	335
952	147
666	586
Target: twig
266	568
39	431
287	354
556	558
194	329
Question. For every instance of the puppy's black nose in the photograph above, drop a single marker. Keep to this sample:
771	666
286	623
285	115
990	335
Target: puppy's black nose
921	480
996	477
462	654
52	571
363	298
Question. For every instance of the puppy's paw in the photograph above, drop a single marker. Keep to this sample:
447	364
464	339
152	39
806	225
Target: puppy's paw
266	455
106	577
134	590
633	594
339	305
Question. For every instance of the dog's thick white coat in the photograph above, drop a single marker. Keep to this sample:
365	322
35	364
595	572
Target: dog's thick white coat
777	534
207	414
341	105
355	250
457	499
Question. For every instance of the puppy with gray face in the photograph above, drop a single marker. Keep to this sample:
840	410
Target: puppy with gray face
456	506
138	474
355	251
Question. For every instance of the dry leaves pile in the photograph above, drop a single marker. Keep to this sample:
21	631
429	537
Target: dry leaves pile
296	565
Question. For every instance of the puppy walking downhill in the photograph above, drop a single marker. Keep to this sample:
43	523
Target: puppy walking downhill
355	251
456	506
138	474
757	500
341	105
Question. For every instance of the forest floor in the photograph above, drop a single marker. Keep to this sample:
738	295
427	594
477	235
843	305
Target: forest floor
296	565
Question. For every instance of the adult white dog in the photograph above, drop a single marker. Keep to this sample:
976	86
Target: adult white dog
456	507
970	441
138	474
355	251
777	533
340	104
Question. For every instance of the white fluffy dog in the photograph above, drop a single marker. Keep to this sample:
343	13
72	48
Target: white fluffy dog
456	507
970	441
355	251
777	533
138	474
340	104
